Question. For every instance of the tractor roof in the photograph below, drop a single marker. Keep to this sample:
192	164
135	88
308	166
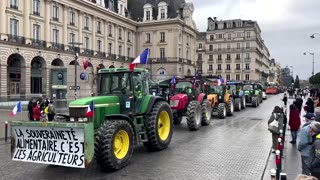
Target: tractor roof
113	70
234	82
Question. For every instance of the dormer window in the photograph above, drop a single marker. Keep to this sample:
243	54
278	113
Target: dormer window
220	26
147	9
163	10
229	25
148	15
239	24
162	13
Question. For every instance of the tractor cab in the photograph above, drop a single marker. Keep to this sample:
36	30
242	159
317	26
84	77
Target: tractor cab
253	93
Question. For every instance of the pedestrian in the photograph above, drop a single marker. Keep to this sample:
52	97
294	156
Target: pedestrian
277	119
294	122
305	177
298	103
315	151
51	111
30	109
36	112
285	99
305	144
309	106
317	114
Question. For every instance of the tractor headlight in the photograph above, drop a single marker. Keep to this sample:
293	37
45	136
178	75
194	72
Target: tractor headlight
220	97
174	103
72	119
80	119
85	119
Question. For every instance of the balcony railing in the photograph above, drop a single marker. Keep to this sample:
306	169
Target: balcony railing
219	71
219	60
237	70
247	59
161	60
37	42
17	39
36	13
210	60
101	54
88	52
111	56
14	6
86	28
55	18
72	24
228	60
228	70
121	58
58	46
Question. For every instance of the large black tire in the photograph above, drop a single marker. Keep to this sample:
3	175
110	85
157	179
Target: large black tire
105	149
177	118
194	115
159	123
243	103
230	107
254	101
237	104
222	110
206	113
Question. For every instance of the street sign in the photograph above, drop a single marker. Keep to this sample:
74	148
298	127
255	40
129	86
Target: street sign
74	88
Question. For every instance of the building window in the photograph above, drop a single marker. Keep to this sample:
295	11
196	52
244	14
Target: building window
247	55
129	52
14	4
14	27
99	27
110	30
211	37
148	15
239	34
72	38
148	38
72	18
187	54
120	33
239	24
228	57
200	56
36	32
219	36
120	50
228	46
129	36
55	13
110	48
247	77
162	14
228	77
210	67
237	77
220	26
247	45
162	37
55	37
188	39
237	66
210	47
228	67
238	45
229	36
210	57
86	43
238	57
179	52
99	46
86	22
200	46
248	35
229	25
247	66
219	47
121	7
36	7
219	67
162	53
219	57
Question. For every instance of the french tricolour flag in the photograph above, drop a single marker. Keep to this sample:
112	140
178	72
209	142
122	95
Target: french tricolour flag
141	59
17	108
220	81
90	109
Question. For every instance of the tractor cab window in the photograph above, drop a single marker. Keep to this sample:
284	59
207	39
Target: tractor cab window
114	84
183	87
215	90
248	87
140	85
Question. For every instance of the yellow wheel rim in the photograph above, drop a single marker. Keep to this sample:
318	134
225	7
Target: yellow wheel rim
121	144
164	125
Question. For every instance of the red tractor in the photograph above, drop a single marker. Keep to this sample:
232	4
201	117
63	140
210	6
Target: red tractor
187	99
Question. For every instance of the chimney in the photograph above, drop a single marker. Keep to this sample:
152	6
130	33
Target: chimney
215	18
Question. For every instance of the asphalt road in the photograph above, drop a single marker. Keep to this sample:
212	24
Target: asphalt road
234	148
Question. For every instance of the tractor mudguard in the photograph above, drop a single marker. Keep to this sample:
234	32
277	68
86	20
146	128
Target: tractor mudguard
201	97
152	101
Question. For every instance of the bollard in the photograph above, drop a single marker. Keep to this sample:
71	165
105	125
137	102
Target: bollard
278	163
273	174
6	131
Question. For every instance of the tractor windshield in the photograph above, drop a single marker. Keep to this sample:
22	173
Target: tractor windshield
215	90
114	83
248	87
183	87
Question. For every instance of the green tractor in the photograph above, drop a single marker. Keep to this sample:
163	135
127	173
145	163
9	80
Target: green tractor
253	93
125	114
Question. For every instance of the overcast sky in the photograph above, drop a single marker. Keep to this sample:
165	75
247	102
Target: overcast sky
286	27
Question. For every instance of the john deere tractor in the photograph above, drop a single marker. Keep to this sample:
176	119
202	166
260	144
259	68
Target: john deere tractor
235	88
253	93
187	99
124	115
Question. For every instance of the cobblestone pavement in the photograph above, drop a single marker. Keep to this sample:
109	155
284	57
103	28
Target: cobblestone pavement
230	149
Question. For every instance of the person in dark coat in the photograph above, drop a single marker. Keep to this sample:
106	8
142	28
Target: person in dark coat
285	99
298	103
294	122
30	109
310	106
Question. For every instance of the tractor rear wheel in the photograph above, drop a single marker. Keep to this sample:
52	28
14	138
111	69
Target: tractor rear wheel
243	103
254	101
230	107
159	124
222	110
206	113
237	104
114	145
194	115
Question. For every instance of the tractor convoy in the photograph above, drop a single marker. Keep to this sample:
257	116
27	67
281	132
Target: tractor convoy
129	109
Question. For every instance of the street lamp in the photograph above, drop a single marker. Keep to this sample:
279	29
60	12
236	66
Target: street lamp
313	35
75	66
305	53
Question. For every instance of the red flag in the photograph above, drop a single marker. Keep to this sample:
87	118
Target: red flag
85	64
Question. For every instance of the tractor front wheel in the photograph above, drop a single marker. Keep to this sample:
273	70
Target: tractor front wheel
237	104
206	113
254	101
230	108
222	110
114	145
159	124
194	115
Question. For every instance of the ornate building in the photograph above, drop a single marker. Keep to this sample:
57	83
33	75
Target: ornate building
39	40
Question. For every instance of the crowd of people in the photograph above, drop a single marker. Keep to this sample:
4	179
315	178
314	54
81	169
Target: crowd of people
308	133
41	108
